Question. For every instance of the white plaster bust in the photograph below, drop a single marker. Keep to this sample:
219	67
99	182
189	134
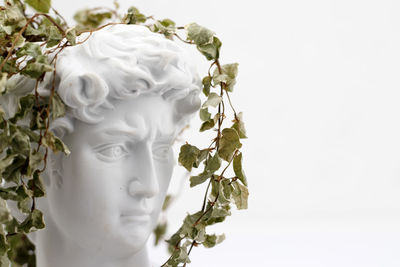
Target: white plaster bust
129	92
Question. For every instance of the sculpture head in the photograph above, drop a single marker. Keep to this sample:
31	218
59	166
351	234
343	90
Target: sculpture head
128	93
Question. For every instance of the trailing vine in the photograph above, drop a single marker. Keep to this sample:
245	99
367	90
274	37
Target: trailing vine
29	45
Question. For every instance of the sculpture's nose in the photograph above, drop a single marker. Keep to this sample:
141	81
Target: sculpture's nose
145	184
143	187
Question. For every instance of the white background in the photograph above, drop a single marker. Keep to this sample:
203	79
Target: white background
319	87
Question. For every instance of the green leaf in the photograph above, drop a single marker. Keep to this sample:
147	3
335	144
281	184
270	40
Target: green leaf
199	34
70	34
11	226
167	201
9	193
33	222
89	19
174	240
237	168
60	146
212	100
21	143
18	40
2	113
54	143
2	118
12	173
14	17
25	106
240	195
5	214
24	199
213	164
54	36
188	156
211	51
206	85
225	192
193	229
22	251
6	29
57	107
207	125
3	82
166	27
210	123
116	4
40	5
30	49
134	16
183	255
36	185
34	137
220	213
168	23
4	261
214	188
23	192
199	179
228	75
40	32
159	232
202	156
35	159
37	121
3	248
24	205
212	240
238	125
179	255
10	65
6	161
36	67
204	114
228	143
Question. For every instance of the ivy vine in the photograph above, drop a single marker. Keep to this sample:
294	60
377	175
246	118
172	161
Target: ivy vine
29	45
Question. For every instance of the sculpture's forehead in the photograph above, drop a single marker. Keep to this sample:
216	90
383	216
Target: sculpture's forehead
144	116
150	123
135	120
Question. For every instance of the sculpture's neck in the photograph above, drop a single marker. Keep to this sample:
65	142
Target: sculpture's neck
53	250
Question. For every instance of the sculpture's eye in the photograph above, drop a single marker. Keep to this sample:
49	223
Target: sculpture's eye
161	152
112	152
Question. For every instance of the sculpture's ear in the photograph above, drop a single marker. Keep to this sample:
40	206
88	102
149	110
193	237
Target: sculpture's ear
54	170
53	174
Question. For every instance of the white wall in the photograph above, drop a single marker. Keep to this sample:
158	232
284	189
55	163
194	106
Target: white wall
319	86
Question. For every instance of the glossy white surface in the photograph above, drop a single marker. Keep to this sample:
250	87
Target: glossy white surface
104	199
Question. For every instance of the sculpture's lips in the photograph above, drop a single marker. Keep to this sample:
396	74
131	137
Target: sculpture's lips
136	216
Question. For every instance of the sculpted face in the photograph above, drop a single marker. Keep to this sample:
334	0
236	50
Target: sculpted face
115	180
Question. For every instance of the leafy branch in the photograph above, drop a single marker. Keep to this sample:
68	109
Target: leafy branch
224	147
26	43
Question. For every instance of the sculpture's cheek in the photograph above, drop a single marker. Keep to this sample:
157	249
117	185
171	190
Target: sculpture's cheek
87	201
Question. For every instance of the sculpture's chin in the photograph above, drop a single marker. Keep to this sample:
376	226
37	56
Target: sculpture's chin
134	236
124	244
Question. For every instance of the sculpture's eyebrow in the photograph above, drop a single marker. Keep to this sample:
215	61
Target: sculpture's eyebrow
165	139
131	134
132	128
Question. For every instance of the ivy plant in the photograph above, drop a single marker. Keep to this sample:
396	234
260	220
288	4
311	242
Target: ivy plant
29	45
